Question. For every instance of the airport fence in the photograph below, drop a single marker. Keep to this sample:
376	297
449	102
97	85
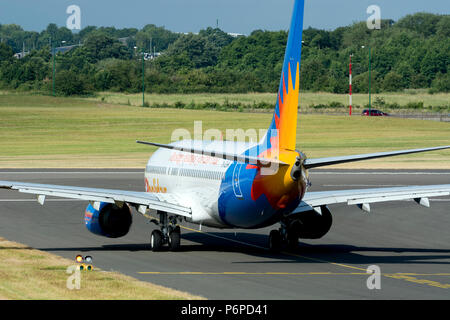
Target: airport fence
441	117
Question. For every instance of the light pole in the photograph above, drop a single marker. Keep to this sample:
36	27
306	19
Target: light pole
350	85
53	71
370	77
143	78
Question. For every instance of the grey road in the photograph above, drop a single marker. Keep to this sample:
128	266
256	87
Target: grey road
410	244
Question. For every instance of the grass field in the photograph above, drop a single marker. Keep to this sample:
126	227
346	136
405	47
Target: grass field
40	131
27	274
306	99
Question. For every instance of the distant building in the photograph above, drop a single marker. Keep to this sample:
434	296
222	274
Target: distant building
235	35
151	55
65	48
20	55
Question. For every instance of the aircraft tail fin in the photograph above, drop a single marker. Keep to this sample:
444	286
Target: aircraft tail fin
283	127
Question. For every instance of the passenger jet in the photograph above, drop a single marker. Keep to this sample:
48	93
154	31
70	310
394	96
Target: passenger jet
230	184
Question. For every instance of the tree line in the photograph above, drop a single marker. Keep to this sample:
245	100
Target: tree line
413	52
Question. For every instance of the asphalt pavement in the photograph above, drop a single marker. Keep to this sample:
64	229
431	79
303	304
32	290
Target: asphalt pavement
409	244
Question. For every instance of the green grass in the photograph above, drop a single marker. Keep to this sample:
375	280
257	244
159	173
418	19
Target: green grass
27	274
42	131
307	99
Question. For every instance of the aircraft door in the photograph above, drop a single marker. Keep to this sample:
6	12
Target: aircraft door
236	182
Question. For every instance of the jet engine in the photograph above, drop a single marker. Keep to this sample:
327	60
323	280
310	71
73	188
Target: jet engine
109	220
311	224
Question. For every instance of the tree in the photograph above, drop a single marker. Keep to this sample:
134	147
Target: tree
194	50
6	52
441	83
392	82
423	23
158	37
100	46
70	83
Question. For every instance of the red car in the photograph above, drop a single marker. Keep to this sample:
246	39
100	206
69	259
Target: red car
374	112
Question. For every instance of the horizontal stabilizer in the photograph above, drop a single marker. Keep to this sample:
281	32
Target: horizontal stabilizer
262	162
321	162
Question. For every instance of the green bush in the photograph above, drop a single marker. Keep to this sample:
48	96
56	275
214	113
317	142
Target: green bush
70	83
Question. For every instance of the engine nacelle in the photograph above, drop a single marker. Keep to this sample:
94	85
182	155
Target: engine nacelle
109	221
311	224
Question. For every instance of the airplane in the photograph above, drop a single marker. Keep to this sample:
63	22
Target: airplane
232	184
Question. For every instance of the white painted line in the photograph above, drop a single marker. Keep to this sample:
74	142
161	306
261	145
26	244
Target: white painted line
364	185
34	200
224	238
72	172
379	173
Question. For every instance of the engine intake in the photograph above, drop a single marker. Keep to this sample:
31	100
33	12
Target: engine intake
311	224
109	221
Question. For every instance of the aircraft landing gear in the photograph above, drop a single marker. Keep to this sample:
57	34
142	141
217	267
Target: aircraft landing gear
156	240
169	233
174	239
275	241
284	236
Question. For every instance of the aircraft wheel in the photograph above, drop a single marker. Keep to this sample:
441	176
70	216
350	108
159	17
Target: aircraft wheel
175	239
292	241
275	241
156	240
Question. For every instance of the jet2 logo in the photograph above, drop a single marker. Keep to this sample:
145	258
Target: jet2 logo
374	21
74	20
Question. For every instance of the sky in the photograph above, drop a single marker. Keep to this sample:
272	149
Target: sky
237	16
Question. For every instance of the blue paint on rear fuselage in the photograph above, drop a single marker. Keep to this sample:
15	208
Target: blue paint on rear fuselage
238	209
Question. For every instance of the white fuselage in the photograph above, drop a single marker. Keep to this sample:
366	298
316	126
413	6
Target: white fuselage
196	179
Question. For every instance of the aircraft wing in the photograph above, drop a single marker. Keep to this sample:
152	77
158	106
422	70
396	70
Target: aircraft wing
140	200
364	197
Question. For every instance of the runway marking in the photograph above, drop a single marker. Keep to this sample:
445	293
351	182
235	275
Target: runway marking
71	172
393	275
142	172
250	273
35	200
224	238
61	200
420	281
378	173
402	276
364	185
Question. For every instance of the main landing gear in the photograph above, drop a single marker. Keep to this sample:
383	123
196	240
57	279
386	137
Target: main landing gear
286	235
169	233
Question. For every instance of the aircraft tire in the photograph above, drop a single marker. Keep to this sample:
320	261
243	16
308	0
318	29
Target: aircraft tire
156	240
275	241
292	241
175	239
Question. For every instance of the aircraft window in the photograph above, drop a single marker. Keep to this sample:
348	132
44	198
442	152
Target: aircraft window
156	169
